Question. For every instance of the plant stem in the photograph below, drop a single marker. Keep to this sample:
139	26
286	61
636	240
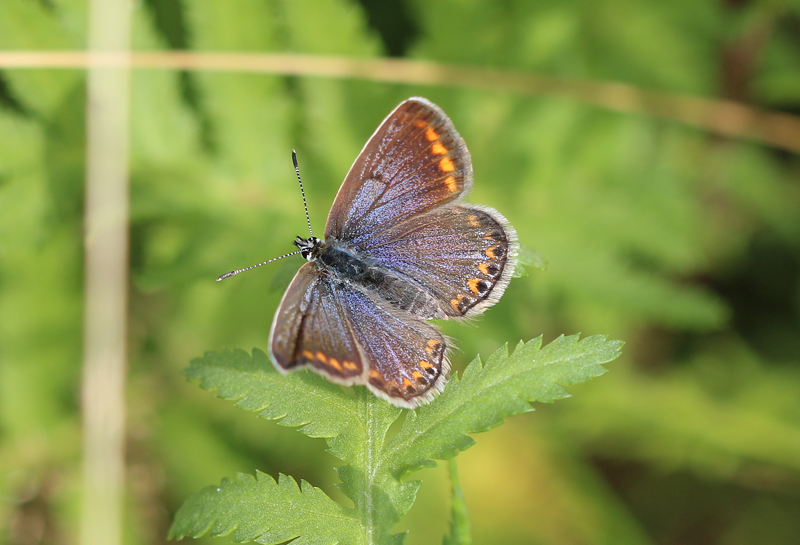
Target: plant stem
105	275
460	533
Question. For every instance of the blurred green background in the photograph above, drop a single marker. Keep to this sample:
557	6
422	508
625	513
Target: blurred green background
684	244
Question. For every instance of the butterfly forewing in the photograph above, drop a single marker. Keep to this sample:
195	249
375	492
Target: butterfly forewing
311	329
414	162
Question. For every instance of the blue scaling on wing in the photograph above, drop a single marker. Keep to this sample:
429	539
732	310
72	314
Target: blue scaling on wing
414	163
406	355
464	255
310	329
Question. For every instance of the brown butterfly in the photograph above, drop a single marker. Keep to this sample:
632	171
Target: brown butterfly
400	248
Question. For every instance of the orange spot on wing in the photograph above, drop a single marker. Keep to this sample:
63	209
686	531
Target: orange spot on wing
421	124
416	374
321	357
473	220
431	134
473	285
333	362
490	252
484	268
374	374
407	382
456	303
446	165
451	183
308	354
433	343
438	149
349	365
426	364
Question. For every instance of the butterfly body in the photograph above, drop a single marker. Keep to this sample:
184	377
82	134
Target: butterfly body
345	265
400	248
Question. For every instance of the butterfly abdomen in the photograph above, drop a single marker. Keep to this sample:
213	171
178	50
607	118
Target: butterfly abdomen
390	288
402	293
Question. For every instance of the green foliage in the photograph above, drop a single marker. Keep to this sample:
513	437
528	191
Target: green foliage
684	244
527	260
268	511
356	427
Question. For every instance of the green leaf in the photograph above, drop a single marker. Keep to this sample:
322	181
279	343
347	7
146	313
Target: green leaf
304	400
267	511
487	394
249	114
356	427
31	25
528	259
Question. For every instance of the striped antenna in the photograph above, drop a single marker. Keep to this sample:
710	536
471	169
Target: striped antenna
308	220
233	273
299	181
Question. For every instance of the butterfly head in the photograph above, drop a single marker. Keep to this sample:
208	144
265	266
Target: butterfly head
309	247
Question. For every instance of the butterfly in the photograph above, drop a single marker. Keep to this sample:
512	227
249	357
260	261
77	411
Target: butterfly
401	247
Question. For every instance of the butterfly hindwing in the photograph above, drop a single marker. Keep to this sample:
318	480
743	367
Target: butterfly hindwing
406	356
339	331
464	255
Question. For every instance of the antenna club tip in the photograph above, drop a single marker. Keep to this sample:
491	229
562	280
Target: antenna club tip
223	277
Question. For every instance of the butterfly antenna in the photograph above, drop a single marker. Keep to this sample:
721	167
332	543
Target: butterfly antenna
233	273
308	220
305	205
